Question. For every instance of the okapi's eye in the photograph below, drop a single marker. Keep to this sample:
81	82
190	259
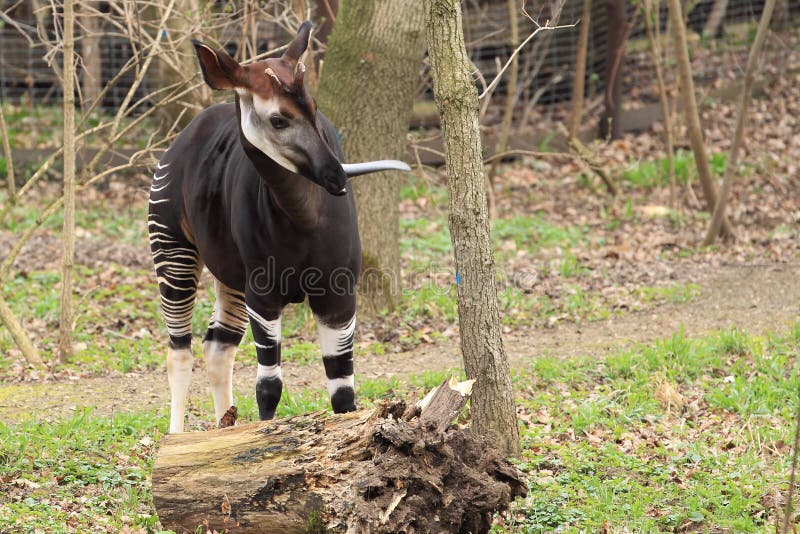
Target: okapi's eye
278	122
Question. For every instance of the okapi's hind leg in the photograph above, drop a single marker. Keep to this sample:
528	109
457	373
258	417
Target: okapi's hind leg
225	331
178	268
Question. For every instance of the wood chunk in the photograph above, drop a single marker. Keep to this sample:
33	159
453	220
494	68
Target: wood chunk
229	418
366	471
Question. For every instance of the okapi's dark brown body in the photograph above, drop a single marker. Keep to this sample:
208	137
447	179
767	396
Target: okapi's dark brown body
228	209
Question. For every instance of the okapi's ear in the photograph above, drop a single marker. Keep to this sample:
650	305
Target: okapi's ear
299	43
220	71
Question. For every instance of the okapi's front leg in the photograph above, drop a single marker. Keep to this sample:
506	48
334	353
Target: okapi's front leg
266	327
336	342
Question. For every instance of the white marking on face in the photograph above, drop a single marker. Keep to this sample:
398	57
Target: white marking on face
257	130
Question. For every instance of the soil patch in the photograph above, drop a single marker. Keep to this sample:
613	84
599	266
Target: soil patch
757	298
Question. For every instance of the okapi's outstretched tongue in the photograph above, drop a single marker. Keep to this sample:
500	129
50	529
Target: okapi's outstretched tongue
357	169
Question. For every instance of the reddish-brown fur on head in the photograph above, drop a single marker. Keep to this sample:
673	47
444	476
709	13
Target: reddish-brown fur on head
270	78
277	115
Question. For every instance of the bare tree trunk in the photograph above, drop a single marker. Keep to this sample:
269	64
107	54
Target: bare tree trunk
178	63
580	70
10	178
20	337
690	112
248	46
367	89
655	52
493	411
738	136
511	98
715	18
68	229
92	79
610	125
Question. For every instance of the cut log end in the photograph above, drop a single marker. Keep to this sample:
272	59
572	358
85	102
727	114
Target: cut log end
389	469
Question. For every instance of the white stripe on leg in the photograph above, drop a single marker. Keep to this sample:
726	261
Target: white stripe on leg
179	376
219	365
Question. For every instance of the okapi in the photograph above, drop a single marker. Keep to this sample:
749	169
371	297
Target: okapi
256	191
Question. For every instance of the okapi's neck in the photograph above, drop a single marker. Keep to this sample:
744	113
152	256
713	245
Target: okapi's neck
297	197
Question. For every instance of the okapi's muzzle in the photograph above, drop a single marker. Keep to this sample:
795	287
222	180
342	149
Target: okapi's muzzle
333	179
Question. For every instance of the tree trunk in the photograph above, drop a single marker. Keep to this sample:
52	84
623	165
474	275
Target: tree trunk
92	79
715	18
391	469
580	71
19	335
610	124
367	90
493	410
690	112
738	136
11	180
511	99
652	30
179	64
68	229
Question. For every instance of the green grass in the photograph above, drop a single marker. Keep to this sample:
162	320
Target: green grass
126	224
603	446
672	293
650	174
80	473
536	233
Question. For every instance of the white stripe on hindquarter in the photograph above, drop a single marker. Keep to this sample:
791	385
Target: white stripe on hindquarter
229	312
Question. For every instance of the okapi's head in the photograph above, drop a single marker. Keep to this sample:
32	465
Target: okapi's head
277	115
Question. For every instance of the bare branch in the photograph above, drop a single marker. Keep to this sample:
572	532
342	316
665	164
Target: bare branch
514	54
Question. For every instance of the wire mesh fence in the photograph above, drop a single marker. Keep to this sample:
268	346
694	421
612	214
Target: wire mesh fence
720	32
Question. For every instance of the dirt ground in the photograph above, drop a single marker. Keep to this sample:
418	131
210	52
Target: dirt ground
753	297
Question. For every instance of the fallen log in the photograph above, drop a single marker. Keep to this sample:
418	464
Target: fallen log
390	469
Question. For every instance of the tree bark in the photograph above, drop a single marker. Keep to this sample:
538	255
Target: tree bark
690	112
11	181
511	99
493	411
652	29
367	90
68	229
179	64
738	136
715	18
610	124
20	336
580	70
380	470
92	79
